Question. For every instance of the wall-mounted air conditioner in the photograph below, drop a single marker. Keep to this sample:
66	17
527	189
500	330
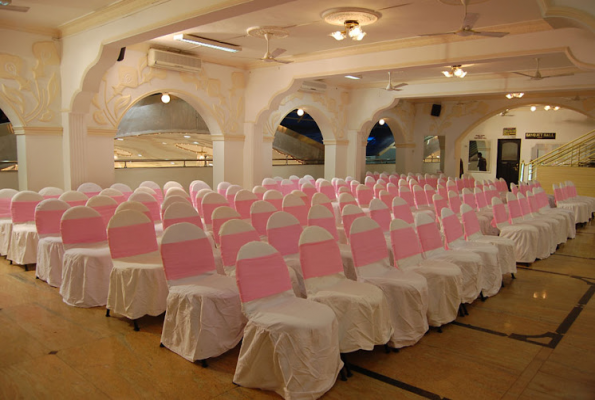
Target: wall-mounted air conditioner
175	61
313	86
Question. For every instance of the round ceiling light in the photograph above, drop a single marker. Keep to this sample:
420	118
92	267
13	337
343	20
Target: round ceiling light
165	98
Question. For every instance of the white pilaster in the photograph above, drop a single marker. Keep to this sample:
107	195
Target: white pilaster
39	153
228	156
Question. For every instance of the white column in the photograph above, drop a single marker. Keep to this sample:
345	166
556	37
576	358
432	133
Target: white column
39	154
258	153
228	156
100	156
75	146
335	158
356	155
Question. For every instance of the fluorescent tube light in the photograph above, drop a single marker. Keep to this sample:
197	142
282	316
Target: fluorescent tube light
212	44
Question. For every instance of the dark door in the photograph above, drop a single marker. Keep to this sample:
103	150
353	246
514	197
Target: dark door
509	153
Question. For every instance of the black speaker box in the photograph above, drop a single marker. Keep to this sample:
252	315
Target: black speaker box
436	109
122	54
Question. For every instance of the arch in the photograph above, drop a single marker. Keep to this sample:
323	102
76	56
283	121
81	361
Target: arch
10	113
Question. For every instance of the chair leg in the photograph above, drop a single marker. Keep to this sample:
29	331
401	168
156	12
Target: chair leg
461	311
346	366
387	349
107	313
465	309
481	296
26	269
513	277
204	364
161	345
439	329
343	374
136	328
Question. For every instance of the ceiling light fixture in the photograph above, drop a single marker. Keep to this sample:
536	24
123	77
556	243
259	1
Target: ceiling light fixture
547	108
300	112
352	19
556	108
514	95
211	44
456	71
381	121
186	136
353	76
165	98
533	108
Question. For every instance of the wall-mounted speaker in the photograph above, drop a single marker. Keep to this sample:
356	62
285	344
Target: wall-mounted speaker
436	109
122	54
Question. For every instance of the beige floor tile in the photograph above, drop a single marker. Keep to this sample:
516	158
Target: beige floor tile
16	345
562	387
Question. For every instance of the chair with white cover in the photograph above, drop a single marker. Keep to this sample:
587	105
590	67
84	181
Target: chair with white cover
524	237
445	279
361	308
541	205
233	235
401	210
573	195
87	263
377	189
433	248
296	181
122	187
580	209
146	189
301	195
405	291
220	216
506	259
50	249
230	194
243	201
114	194
345	199
178	212
421	201
274	197
441	190
172	184
155	187
104	205
6	196
136	206
439	204
454	201
308	189
546	244
370	181
454	238
364	195
353	186
283	233
200	195
74	198
333	207
327	188
341	183
380	213
260	212
387	198
137	285
195	186
51	192
259	191
559	227
153	206
349	214
90	189
169	200
405	194
270	184
176	191
204	317
22	248
392	189
311	179
269	357
286	186
210	202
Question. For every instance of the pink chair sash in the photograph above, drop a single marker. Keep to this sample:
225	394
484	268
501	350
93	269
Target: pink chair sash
325	223
348	220
342	205
439	205
272	186
429	195
469	199
320	259
259	221
443	192
48	221
91	194
51	196
405	243
524	206
455	203
364	197
310	192
230	199
481	201
132	240
208	212
533	204
278	203
514	209
387	199
420	198
126	195
382	217
368	247
285	239
329	191
300	212
83	230
286	189
243	207
499	214
452	228
217	223
107	212
262	277
231	244
429	237
5	207
471	224
542	199
393	189
194	220
154	210
403	212
187	258
460	185
23	211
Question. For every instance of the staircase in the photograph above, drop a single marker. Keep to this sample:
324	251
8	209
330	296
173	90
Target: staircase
573	161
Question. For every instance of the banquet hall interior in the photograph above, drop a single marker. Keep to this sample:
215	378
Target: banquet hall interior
382	95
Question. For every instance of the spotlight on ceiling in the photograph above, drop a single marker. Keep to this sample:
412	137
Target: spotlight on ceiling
300	112
556	108
514	95
533	108
456	71
381	121
547	108
165	98
351	19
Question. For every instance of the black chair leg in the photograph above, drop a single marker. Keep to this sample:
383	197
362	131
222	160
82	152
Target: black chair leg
343	374
461	311
26	269
465	309
136	328
387	349
481	296
204	364
513	277
161	345
439	329
107	313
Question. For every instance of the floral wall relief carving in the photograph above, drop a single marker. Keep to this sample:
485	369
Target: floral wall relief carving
33	92
405	112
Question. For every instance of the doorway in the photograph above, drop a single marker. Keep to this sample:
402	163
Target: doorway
509	154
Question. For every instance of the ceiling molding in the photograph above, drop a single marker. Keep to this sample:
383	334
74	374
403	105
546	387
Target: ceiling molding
550	10
38	130
110	133
228	138
36	30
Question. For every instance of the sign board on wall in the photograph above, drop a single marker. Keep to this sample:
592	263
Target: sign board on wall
540	135
479	137
509	131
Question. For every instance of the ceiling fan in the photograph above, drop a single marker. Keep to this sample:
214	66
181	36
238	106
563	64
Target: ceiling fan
268	32
6	6
537	76
505	113
391	87
466	29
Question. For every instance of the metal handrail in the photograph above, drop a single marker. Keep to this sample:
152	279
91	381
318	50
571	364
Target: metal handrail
588	137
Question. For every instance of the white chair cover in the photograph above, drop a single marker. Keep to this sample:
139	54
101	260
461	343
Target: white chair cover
115	194
137	283
260	212
50	249
104	205
171	199
230	194
125	189
154	186
543	207
74	198
90	189
243	201
220	216
274	197
51	192
405	291
210	202
233	235
259	191
580	209
204	316
87	263
291	345
361	308
545	245
195	187
6	196
295	206
171	184
22	247
524	237
559	227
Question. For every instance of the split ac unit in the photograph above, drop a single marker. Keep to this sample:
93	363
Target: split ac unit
175	61
313	86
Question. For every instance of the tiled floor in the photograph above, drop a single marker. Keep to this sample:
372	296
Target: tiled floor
534	340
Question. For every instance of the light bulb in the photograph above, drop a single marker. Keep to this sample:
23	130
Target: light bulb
556	108
300	112
355	32
359	37
458	72
547	108
381	121
462	74
448	74
509	96
338	35
165	98
533	108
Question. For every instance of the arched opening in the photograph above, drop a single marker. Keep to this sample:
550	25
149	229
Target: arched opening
8	154
381	153
298	147
168	137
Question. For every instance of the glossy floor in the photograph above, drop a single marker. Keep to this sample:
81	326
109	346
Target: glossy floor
534	340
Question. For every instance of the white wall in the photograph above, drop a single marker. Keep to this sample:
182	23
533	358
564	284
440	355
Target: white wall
388	168
135	176
567	124
284	171
9	180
